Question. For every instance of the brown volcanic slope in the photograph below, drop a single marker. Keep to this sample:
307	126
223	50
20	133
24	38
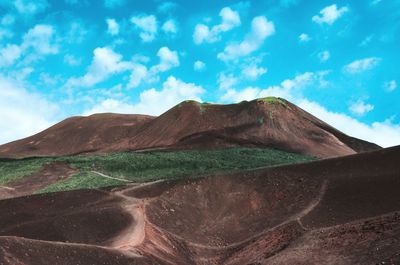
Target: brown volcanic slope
270	122
337	211
77	135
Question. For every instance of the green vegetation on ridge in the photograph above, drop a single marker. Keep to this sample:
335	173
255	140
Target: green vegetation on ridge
150	166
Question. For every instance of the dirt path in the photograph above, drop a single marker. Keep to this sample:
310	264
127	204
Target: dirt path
109	177
134	235
312	205
7	188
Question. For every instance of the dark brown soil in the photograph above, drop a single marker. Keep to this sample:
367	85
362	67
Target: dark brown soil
336	211
191	125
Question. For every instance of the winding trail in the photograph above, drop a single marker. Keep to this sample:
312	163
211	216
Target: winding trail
109	177
6	188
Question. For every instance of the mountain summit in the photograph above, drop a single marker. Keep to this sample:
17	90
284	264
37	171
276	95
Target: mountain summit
265	122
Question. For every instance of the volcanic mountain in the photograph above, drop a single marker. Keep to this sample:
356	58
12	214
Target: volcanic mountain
266	122
343	210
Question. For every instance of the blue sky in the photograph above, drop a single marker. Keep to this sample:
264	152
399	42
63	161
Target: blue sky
336	59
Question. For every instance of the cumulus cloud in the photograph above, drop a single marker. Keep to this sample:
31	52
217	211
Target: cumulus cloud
230	19
362	65
23	113
7	20
39	40
148	26
153	101
199	66
10	54
168	59
303	37
170	27
167	7
261	28
330	14
227	81
112	26
390	85
360	108
384	133
105	63
28	7
138	75
77	32
324	56
252	71
71	60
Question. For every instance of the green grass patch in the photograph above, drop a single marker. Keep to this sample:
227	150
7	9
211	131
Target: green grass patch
273	100
144	167
82	180
11	170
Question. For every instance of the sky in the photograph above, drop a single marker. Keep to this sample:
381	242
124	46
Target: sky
338	60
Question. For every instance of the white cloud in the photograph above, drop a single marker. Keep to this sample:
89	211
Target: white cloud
232	95
253	72
324	56
168	59
113	3
41	38
28	7
153	101
71	60
362	65
167	7
9	55
303	37
148	26
390	85
366	41
105	63
77	32
289	89
261	28
112	26
7	20
360	108
22	113
170	27
329	14
226	81
383	133
5	33
138	75
199	66
230	19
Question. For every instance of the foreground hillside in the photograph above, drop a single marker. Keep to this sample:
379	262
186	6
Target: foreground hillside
337	211
268	122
